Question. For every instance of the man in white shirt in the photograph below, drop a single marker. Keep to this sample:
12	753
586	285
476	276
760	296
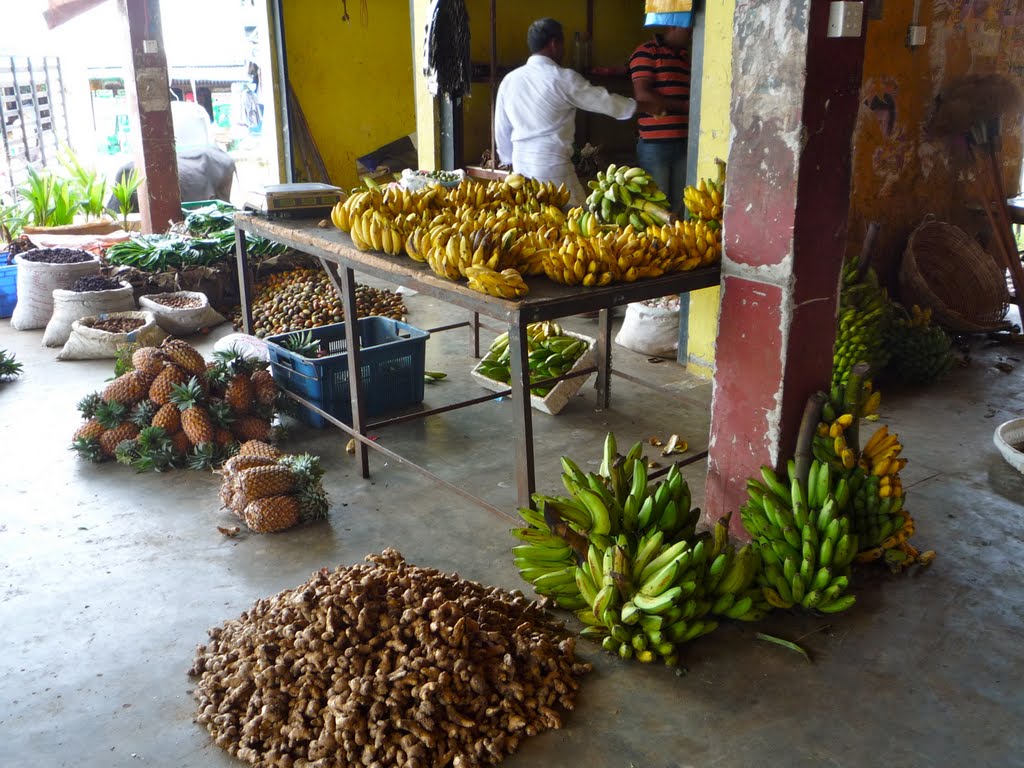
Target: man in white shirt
535	112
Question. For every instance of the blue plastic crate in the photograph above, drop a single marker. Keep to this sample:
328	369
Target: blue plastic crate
393	360
8	286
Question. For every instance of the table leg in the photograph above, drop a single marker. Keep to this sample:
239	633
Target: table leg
522	414
604	359
355	366
475	342
244	280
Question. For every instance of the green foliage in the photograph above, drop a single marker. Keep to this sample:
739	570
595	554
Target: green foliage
87	185
47	200
123	191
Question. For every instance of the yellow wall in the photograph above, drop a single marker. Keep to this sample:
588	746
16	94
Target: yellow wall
899	173
353	80
716	94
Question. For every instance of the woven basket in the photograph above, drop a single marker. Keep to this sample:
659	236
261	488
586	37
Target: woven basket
946	271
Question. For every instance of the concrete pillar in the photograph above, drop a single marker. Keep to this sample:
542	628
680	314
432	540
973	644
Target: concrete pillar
795	100
149	101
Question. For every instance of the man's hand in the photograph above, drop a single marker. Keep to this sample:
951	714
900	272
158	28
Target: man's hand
652	105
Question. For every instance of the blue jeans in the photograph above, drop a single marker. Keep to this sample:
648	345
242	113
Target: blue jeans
665	161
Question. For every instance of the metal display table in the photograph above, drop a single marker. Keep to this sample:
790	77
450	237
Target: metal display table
546	301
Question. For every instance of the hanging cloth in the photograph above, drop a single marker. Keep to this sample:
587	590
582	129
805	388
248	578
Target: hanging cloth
446	50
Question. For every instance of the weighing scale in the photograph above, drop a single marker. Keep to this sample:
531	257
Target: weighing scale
294	201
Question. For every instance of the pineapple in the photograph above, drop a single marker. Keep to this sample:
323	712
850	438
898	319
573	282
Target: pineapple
180	443
313	503
9	367
161	389
150	451
184	356
103	417
259	448
195	419
273	513
246	461
249	428
223	437
87	405
127	389
110	439
260	482
265	386
233	370
168	418
202	456
91	430
148	360
240	393
88	448
143	413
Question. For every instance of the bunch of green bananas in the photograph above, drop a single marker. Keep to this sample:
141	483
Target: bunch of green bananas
919	352
625	556
867	480
552	353
626	196
804	539
863	321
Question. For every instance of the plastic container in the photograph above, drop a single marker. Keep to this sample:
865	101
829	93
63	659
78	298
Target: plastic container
8	287
393	361
560	395
1008	435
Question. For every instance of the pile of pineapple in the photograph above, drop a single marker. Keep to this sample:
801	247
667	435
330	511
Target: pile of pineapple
270	491
174	409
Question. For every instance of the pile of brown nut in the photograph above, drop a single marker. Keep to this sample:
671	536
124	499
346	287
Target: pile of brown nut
177	301
382	665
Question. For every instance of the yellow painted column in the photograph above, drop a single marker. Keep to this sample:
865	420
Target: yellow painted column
428	145
716	96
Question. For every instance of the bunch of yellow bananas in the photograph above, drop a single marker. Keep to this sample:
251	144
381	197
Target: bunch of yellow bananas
704	202
506	284
372	231
451	253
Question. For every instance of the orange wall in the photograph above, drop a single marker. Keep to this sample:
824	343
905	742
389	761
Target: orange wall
900	174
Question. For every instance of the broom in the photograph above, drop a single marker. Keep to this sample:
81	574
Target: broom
971	108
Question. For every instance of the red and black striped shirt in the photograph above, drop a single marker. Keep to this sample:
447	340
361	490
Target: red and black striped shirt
670	71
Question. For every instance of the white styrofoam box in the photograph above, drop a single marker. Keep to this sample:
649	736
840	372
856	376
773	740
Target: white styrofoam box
563	391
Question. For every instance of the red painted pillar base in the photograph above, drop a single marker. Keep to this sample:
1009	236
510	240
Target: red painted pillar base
148	89
795	102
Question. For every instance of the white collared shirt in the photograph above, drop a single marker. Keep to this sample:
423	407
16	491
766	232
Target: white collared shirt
535	112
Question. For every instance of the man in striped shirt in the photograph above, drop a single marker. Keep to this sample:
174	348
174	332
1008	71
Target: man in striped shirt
660	71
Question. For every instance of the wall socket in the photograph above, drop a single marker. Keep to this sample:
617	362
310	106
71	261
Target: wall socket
917	35
845	19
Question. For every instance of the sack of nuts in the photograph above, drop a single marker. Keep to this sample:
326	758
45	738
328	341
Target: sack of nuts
182	313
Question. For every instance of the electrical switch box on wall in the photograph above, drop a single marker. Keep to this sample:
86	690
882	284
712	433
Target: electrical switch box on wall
845	19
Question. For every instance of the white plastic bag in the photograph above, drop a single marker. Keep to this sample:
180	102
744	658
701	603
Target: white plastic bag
69	306
182	321
37	281
88	343
245	345
649	330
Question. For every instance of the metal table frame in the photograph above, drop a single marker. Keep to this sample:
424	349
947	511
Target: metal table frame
546	301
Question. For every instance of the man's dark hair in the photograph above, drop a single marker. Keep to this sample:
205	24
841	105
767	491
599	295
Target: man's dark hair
541	33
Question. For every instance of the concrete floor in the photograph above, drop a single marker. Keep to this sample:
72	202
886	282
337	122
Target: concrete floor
110	579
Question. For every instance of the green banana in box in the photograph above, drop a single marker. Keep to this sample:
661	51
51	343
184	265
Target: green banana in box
552	352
